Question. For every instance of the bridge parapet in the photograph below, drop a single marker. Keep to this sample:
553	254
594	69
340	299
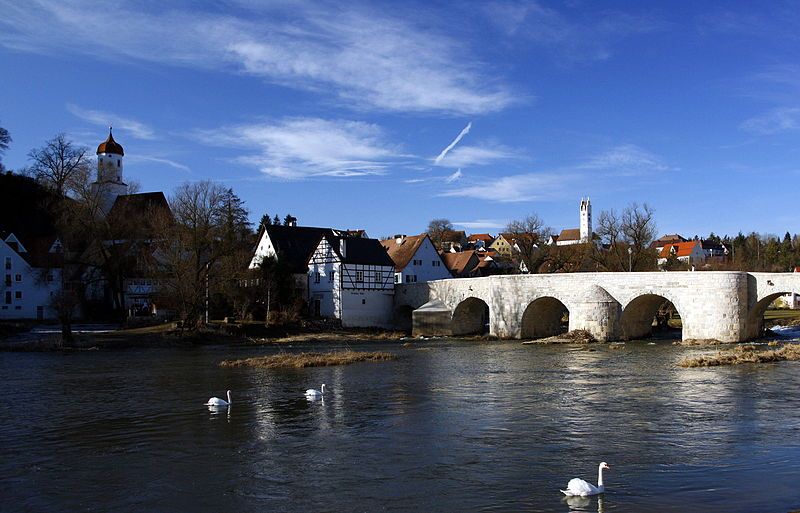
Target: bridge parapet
712	305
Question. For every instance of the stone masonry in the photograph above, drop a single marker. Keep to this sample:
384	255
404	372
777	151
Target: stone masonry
725	306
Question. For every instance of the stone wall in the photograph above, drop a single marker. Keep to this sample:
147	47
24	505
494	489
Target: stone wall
713	305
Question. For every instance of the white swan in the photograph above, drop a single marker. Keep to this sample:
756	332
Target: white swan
582	488
314	394
216	401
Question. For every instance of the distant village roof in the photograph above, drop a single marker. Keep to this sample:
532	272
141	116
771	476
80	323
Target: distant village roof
401	253
460	264
679	249
110	146
41	252
570	234
453	235
485	237
667	239
139	213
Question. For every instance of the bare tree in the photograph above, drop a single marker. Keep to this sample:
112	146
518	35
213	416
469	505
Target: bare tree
5	140
437	228
59	164
625	239
530	237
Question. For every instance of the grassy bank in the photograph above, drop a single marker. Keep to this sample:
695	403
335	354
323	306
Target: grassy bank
746	353
301	360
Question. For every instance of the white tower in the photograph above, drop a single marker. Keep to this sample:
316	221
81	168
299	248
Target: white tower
586	220
109	182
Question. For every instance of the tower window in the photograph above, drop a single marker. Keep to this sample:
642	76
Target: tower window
117	162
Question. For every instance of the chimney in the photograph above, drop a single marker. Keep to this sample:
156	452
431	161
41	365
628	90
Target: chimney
343	247
398	239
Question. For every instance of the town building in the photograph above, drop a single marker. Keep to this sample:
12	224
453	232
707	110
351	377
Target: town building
503	245
479	241
31	276
351	279
690	253
581	235
415	259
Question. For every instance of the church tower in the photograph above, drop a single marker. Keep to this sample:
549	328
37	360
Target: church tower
109	182
586	220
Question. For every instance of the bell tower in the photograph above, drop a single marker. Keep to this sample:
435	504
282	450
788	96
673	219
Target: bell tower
586	220
109	182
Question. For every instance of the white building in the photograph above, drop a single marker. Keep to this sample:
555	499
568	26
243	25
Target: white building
351	279
690	253
32	276
415	259
581	235
109	184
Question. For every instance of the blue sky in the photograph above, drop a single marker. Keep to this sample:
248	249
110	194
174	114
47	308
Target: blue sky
385	115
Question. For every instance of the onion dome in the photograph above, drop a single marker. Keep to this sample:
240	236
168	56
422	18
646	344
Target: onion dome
110	145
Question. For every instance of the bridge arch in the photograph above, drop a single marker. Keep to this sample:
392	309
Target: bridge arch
640	313
755	317
543	318
471	317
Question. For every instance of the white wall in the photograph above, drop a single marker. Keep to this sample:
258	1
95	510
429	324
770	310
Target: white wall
34	286
431	267
367	308
327	291
264	250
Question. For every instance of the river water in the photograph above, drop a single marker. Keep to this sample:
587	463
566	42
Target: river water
449	426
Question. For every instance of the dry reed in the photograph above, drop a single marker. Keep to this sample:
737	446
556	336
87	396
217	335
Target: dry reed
301	360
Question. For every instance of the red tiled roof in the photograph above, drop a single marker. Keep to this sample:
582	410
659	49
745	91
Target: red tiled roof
570	234
485	237
459	263
401	254
682	249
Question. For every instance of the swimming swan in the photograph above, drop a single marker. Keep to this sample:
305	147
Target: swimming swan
582	488
313	394
216	401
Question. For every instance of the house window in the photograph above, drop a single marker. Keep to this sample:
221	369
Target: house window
359	276
8	297
397	278
18	277
8	262
17	308
411	279
417	262
49	276
330	276
436	263
363	301
8	280
18	294
316	276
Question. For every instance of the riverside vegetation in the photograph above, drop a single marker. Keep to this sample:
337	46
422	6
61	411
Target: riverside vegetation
302	360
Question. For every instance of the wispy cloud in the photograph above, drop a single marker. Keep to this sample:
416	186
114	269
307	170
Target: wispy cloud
159	160
482	224
297	148
97	117
454	177
472	156
369	59
780	119
573	38
516	188
625	160
452	145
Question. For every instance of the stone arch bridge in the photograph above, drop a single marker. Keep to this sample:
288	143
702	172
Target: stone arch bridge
726	306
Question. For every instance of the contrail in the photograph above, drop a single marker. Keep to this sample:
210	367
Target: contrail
444	152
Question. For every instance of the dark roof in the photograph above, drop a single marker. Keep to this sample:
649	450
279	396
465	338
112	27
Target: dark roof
110	146
454	236
359	250
402	253
570	234
461	264
295	244
36	250
138	214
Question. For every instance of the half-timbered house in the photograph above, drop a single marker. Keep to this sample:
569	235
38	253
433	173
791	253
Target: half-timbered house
351	279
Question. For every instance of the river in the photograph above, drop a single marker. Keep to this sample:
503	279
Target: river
449	426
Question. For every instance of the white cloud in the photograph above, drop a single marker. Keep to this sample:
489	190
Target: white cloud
452	145
454	177
365	57
625	160
486	224
159	160
780	119
471	156
297	148
573	38
97	117
516	188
